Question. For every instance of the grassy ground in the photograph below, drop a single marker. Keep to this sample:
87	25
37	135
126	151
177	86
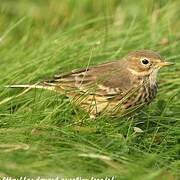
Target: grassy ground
41	133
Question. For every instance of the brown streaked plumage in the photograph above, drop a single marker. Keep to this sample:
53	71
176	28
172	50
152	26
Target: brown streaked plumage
114	88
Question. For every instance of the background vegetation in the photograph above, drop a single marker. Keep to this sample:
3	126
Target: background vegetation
41	133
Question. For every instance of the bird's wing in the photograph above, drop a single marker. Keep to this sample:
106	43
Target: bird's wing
74	80
107	80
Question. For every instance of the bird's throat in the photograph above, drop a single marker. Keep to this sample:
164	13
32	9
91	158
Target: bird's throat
148	76
152	78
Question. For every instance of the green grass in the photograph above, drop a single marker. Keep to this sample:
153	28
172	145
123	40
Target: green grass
41	133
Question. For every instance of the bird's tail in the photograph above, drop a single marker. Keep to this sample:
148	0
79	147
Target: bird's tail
43	85
33	86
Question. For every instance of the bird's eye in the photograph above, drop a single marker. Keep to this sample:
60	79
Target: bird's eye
145	61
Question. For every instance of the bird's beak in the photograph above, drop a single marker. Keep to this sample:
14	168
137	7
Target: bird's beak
163	64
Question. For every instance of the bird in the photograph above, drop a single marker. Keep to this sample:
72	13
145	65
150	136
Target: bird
114	88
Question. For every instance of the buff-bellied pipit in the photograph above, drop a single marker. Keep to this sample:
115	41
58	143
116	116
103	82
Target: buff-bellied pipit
114	88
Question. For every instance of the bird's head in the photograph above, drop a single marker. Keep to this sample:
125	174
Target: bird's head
145	62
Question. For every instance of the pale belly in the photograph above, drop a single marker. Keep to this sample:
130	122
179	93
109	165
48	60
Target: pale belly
95	105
